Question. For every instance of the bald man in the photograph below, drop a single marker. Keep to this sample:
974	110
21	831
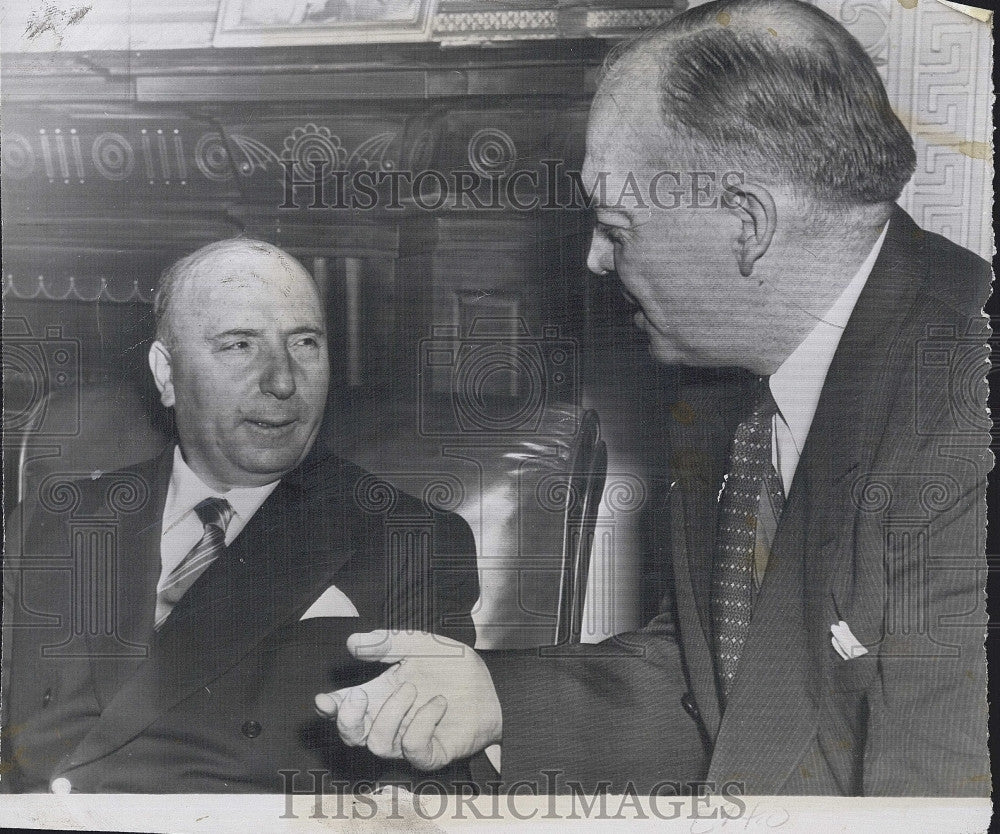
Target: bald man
234	566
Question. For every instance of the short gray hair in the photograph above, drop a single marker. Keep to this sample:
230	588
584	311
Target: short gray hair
804	104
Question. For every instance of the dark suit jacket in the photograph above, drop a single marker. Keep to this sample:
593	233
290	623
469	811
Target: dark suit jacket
883	529
221	699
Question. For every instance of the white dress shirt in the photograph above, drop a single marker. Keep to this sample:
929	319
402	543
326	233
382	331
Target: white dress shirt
797	384
182	529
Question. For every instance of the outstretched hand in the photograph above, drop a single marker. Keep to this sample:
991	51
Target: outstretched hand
435	704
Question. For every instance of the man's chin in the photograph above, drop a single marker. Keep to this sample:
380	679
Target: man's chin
265	464
669	354
263	476
682	359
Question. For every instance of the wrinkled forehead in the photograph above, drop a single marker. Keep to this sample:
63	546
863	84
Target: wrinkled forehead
627	141
245	278
624	125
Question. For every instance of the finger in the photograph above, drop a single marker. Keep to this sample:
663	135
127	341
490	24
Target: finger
383	738
392	646
351	716
327	703
419	744
370	645
405	725
354	719
379	689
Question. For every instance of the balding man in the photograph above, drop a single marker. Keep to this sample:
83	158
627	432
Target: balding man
822	625
240	560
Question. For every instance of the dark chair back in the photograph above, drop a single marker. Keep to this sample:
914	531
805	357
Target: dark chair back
112	427
585	486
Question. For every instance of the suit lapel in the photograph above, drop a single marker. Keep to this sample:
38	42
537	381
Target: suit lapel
267	577
771	716
115	657
703	419
860	385
696	640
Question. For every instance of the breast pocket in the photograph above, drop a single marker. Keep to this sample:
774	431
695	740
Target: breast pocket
856	674
317	631
858	604
317	647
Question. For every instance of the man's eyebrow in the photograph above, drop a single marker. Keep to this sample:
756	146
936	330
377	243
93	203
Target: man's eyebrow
227	334
249	331
308	328
601	215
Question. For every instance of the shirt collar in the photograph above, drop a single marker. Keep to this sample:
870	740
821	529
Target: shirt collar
798	382
186	490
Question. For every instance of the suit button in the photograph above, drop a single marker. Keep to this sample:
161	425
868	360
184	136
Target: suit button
61	785
251	729
46	697
690	707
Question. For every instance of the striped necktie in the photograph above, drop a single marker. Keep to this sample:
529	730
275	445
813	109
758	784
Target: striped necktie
215	514
750	505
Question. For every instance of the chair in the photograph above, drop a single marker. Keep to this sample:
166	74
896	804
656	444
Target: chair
113	425
530	498
583	498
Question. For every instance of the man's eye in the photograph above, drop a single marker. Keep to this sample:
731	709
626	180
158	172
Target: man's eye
237	346
308	341
612	233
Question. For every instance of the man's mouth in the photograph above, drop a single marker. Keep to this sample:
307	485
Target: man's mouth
627	295
635	309
271	422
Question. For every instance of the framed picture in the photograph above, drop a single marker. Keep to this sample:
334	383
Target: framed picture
298	22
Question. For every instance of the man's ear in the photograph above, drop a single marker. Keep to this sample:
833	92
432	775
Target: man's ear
758	216
159	364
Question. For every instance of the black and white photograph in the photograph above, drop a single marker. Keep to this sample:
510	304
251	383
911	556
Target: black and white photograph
430	413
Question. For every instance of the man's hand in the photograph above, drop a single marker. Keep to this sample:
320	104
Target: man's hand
435	705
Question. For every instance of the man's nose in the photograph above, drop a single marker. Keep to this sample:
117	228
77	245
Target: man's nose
278	376
601	258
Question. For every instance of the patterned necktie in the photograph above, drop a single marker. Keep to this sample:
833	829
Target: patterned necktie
749	508
215	514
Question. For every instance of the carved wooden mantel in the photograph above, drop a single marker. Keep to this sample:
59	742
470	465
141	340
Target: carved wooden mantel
115	163
162	148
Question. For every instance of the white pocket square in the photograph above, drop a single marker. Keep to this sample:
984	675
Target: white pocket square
844	642
333	602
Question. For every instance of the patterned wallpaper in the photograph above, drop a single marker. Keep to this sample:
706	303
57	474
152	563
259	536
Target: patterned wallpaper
937	64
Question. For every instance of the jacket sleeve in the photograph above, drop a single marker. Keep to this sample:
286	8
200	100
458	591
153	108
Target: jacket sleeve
609	716
598	717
